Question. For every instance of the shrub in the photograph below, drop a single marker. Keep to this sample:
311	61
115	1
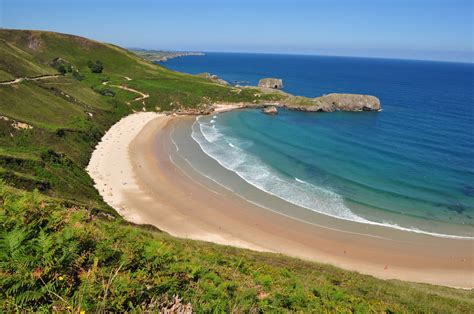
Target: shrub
96	67
62	69
61	65
77	75
105	91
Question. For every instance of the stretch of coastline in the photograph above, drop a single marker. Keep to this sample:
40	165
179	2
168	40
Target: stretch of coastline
137	170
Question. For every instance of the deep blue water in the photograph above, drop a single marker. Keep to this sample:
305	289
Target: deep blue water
415	159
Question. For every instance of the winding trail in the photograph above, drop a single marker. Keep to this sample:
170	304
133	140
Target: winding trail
142	96
21	79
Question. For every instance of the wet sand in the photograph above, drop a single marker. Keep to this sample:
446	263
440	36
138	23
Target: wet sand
140	175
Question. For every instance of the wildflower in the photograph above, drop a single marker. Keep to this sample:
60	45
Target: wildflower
82	312
60	278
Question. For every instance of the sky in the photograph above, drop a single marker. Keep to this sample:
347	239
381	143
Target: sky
407	29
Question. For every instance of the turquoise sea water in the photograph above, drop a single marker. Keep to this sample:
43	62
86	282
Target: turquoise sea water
405	167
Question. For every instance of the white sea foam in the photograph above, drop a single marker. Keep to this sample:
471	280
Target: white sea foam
298	192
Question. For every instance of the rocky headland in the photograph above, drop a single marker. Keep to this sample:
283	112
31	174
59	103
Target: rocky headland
326	103
162	56
333	102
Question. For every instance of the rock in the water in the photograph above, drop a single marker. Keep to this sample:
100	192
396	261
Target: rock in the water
351	102
271	83
270	110
334	102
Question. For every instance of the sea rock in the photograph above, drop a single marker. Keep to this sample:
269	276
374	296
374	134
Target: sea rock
334	102
270	110
271	83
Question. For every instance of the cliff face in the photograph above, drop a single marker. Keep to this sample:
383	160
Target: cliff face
334	102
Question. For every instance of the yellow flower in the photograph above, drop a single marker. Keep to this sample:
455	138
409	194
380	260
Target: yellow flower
82	312
61	278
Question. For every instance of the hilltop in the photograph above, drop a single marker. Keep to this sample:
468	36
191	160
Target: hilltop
62	248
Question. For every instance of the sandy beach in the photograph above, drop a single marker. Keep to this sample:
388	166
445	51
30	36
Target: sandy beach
136	171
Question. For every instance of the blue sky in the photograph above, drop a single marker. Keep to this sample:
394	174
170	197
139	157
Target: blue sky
414	29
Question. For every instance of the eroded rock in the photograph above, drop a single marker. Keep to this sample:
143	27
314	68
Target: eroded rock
270	110
334	102
273	83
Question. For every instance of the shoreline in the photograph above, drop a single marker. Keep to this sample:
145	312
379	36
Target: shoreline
134	171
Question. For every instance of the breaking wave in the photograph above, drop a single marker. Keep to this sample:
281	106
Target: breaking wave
228	153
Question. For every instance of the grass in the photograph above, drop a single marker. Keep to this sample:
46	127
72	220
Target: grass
29	102
69	116
63	248
65	258
16	62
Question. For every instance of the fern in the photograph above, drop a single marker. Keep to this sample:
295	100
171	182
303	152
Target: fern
28	296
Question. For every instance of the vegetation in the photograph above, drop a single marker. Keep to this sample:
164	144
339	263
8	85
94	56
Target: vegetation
66	258
96	67
62	248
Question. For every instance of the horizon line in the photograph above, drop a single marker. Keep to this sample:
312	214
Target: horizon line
471	61
302	54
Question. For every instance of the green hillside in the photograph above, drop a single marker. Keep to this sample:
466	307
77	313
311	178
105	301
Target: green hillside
62	248
69	113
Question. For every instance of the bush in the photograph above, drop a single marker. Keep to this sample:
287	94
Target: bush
61	65
105	91
96	67
62	69
77	75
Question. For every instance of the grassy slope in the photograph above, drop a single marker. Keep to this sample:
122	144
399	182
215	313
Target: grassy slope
59	108
51	158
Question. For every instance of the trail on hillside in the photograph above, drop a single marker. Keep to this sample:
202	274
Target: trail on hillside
20	79
142	96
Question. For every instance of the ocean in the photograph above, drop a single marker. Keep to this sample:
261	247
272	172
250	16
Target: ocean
408	167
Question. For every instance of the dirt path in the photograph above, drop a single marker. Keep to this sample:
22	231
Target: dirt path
21	79
142	96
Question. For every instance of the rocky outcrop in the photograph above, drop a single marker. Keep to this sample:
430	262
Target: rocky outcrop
326	103
270	110
213	78
192	111
17	124
350	102
333	102
272	83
